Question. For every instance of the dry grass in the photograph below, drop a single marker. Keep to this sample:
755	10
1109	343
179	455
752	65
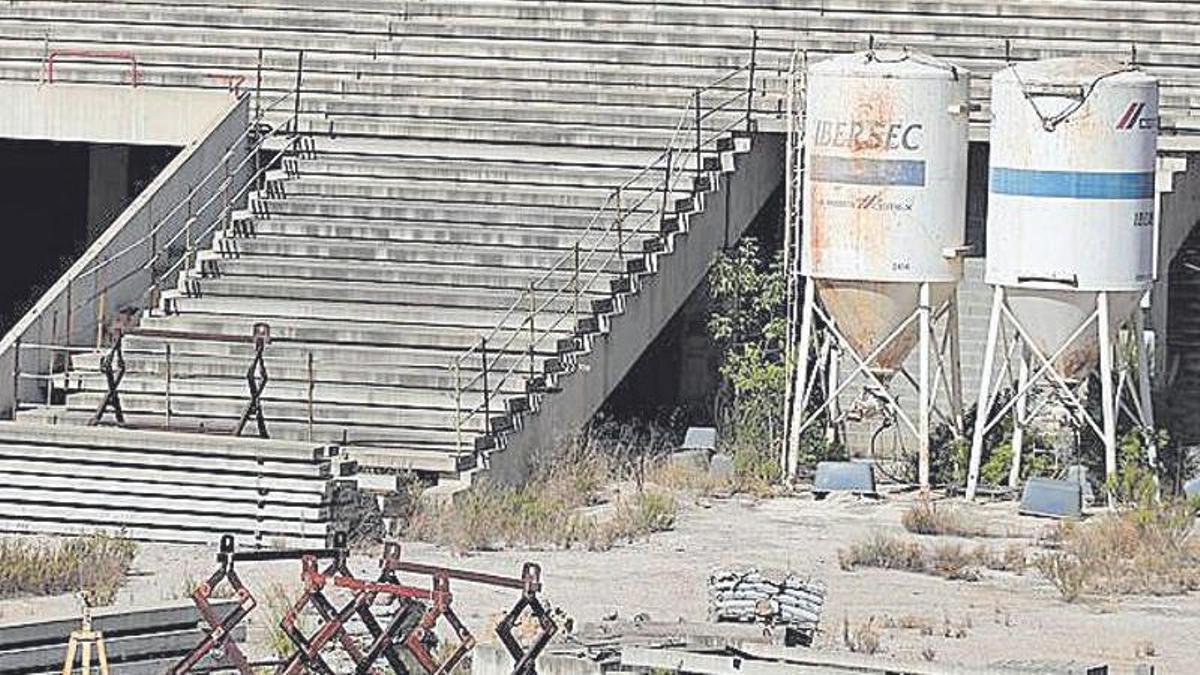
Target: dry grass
686	479
278	600
927	517
864	638
949	560
1146	550
96	565
552	510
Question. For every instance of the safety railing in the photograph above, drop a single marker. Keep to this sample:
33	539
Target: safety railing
155	259
549	307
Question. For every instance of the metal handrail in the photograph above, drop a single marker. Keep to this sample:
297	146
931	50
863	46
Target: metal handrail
589	262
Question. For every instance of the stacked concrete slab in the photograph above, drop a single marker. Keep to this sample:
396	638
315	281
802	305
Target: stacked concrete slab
461	149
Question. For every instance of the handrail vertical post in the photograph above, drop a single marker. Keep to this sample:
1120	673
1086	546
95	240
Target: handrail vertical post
167	390
532	328
16	375
487	401
258	87
457	406
620	229
750	83
70	281
299	82
575	282
666	187
312	387
699	142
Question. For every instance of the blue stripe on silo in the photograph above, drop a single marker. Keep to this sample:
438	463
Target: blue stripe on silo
1072	184
862	171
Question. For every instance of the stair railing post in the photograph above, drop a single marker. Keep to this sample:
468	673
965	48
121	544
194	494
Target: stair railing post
167	388
575	281
620	229
750	83
299	83
457	404
227	214
532	328
699	142
487	402
258	87
666	187
312	387
16	376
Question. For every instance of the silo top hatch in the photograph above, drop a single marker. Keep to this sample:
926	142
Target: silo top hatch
1073	71
888	63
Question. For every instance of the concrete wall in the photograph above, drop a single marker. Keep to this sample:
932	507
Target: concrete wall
116	271
646	313
107	114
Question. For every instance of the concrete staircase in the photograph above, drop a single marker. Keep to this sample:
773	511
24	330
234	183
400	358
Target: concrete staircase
461	153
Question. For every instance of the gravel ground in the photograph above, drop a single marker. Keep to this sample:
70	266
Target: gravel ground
1001	616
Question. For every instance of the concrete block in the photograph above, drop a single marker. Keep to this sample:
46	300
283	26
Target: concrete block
1192	487
720	466
856	477
1052	498
696	457
700	437
1079	474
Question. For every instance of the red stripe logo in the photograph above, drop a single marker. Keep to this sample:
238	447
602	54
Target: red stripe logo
1131	116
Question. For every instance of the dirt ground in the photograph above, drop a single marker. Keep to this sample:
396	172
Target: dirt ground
1002	616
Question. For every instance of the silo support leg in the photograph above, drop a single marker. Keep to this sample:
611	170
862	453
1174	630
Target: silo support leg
791	452
923	401
1146	403
1107	398
1019	418
985	382
956	393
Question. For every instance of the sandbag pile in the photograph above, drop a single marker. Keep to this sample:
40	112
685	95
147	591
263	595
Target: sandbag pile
750	596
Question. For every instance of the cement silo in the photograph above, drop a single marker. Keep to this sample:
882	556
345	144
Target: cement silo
884	199
1070	229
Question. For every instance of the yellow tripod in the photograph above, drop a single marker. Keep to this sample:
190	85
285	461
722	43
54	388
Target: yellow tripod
83	640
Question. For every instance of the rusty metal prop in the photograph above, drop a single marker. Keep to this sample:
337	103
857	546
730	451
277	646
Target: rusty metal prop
112	378
421	608
333	621
219	630
529	583
256	382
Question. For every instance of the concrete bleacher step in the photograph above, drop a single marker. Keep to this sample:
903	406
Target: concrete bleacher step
165	486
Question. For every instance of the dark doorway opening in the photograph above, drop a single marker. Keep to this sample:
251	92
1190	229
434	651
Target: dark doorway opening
58	197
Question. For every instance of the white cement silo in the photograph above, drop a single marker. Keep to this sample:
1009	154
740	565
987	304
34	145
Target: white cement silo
1070	217
884	201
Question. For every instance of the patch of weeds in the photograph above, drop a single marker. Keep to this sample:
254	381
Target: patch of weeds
1149	549
96	565
954	561
927	517
550	510
883	551
949	560
864	638
278	602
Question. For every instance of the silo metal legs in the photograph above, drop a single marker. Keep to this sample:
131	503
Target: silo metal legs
791	450
1035	367
934	367
923	397
985	383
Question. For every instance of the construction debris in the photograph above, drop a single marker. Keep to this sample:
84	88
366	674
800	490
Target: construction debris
143	641
750	596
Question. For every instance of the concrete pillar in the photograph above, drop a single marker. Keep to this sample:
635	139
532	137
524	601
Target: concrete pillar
108	185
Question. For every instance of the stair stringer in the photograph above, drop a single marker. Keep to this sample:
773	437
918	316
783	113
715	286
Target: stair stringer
646	312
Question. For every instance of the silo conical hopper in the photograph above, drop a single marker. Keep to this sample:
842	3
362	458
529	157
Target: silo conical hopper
1071	203
886	137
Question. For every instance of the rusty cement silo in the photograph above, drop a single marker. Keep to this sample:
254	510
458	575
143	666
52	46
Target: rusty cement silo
884	201
1070	233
